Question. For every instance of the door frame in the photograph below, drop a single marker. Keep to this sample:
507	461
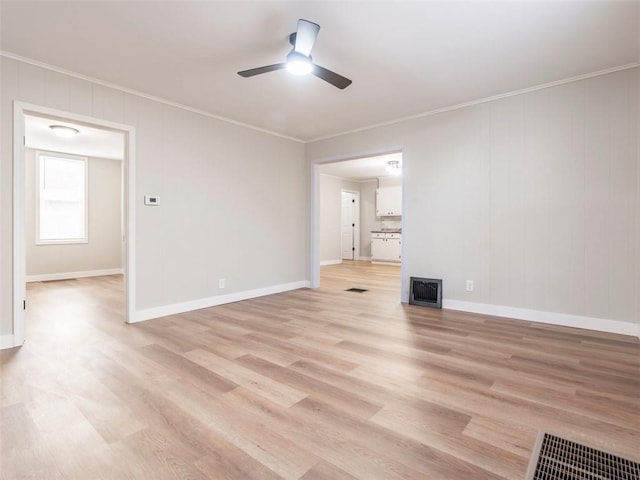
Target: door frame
20	110
314	205
356	229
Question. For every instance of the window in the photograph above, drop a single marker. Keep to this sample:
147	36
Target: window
61	203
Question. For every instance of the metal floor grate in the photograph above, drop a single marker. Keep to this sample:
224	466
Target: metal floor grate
555	458
357	290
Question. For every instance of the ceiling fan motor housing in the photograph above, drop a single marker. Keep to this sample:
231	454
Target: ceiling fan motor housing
294	56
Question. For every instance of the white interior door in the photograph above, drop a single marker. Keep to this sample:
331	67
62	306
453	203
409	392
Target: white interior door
349	225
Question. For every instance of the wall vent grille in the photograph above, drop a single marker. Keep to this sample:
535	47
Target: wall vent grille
426	292
557	458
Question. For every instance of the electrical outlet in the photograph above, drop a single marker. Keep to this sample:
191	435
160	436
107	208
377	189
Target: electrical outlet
469	285
222	283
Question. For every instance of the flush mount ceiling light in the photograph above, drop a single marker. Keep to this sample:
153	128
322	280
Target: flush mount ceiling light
393	167
63	131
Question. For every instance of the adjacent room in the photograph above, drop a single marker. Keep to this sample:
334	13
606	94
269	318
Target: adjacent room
360	232
73	236
330	240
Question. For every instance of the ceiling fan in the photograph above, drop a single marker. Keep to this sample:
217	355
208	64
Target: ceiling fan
299	61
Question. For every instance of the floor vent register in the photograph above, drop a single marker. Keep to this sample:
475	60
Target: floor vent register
426	292
555	458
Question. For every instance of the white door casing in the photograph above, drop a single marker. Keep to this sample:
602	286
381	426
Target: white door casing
314	213
20	109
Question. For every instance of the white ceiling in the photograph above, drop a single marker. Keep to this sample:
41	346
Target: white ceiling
360	169
90	142
405	58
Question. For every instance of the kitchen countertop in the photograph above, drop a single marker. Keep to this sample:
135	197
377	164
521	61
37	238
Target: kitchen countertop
387	230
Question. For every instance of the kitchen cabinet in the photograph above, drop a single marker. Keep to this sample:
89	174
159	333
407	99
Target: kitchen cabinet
389	197
386	247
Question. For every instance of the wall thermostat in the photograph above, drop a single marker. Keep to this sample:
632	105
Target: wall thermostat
151	200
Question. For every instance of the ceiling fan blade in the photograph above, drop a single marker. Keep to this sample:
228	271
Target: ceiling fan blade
306	36
260	70
331	77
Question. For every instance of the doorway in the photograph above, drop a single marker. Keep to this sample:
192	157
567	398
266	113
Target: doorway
350	225
126	233
341	248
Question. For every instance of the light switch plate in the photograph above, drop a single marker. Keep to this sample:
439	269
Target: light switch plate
151	200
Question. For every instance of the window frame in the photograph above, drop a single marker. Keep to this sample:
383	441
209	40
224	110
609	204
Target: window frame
69	241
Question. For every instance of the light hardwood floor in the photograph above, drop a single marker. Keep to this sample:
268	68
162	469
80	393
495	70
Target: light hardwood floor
309	384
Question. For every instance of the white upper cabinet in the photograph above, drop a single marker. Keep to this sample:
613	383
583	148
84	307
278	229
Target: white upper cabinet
389	197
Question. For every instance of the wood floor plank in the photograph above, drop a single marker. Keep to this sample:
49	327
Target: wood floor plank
162	455
326	442
254	435
225	466
160	414
486	456
428	460
187	368
25	455
307	352
569	401
275	391
64	444
439	417
326	471
511	437
309	384
354	403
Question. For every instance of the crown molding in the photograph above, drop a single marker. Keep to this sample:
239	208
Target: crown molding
326	137
481	100
137	93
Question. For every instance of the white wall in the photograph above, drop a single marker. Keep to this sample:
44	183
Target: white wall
534	196
234	200
103	251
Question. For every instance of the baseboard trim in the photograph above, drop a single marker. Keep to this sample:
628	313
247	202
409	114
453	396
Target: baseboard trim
173	309
7	341
562	319
69	275
365	259
330	262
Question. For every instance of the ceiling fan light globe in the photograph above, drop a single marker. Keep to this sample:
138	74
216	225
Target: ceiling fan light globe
299	68
299	64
